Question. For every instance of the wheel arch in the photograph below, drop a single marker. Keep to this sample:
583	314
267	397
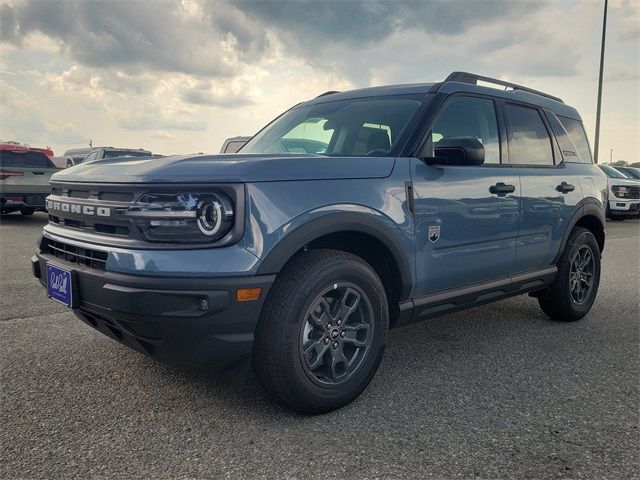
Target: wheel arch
361	234
589	215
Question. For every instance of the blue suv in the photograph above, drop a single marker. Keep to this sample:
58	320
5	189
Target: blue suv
348	215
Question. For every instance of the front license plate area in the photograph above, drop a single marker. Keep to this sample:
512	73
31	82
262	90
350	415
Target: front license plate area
60	284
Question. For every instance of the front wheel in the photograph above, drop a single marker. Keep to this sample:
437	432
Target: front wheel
322	331
26	211
575	287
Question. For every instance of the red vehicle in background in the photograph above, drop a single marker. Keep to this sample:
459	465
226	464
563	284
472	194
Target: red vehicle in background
17	147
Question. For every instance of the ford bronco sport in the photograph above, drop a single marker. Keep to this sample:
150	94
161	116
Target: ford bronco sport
416	201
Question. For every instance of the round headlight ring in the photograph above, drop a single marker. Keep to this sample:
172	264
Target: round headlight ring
209	216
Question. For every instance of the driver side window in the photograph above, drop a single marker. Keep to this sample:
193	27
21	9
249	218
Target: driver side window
469	117
310	136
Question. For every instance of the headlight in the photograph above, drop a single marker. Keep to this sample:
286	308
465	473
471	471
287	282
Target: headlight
619	191
182	217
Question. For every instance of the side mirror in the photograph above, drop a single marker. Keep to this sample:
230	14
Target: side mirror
457	151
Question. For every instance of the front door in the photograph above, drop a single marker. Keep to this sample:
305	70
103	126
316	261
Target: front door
466	217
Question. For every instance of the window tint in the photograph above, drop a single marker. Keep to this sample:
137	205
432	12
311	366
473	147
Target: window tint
91	156
353	127
529	142
26	159
612	172
125	153
576	132
568	148
469	117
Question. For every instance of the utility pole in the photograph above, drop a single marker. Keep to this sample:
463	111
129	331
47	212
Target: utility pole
604	34
610	155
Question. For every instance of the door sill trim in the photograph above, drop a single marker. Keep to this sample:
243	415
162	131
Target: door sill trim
450	300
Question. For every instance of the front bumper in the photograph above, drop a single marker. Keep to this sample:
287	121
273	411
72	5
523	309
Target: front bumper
619	206
193	323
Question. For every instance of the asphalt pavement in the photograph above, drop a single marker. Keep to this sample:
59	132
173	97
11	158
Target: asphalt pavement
498	391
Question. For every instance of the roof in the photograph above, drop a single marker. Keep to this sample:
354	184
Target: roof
12	147
460	82
383	91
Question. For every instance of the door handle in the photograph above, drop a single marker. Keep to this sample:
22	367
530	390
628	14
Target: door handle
501	189
565	187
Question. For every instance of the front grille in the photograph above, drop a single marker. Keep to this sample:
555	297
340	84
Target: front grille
79	255
95	196
633	192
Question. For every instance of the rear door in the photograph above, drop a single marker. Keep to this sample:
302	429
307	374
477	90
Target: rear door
550	189
466	217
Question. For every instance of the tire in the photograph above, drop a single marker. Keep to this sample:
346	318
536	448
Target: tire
559	302
289	326
69	163
27	211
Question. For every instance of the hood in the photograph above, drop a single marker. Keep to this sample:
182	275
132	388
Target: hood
234	168
632	182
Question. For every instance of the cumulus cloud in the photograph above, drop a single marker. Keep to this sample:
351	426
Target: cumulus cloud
161	36
170	70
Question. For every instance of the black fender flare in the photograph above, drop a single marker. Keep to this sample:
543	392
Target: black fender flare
335	223
587	207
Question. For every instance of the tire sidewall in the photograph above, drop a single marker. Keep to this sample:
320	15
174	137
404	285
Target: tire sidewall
349	270
582	238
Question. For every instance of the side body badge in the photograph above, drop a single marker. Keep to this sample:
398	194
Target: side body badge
434	233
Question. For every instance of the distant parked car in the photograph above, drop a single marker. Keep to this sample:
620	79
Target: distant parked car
631	172
61	161
233	144
76	155
111	152
24	179
623	194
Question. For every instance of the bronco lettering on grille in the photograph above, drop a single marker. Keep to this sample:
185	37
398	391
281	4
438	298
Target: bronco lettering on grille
53	205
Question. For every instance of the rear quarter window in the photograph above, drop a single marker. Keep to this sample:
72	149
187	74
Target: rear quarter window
576	133
25	159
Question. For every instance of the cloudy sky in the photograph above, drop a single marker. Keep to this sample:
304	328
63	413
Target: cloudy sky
181	76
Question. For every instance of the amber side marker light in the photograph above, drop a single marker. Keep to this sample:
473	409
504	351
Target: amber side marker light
248	294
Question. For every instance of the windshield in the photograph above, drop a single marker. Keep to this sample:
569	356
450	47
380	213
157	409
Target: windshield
125	153
612	172
631	172
357	127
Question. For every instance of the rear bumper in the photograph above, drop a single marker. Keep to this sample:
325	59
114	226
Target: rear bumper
193	323
21	200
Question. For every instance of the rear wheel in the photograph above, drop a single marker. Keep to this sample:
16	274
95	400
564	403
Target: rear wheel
26	211
575	287
322	331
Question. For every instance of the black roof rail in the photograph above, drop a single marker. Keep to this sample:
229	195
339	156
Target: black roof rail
327	93
472	78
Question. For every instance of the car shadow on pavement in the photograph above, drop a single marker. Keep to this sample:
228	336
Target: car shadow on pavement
419	360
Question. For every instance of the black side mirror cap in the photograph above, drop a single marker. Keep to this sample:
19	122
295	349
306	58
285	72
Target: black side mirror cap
457	151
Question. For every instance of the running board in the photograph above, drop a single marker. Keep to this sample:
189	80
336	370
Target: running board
454	299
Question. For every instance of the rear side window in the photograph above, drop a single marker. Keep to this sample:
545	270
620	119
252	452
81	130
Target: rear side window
26	159
529	141
579	138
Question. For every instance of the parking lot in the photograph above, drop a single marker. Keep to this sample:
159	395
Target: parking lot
498	391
